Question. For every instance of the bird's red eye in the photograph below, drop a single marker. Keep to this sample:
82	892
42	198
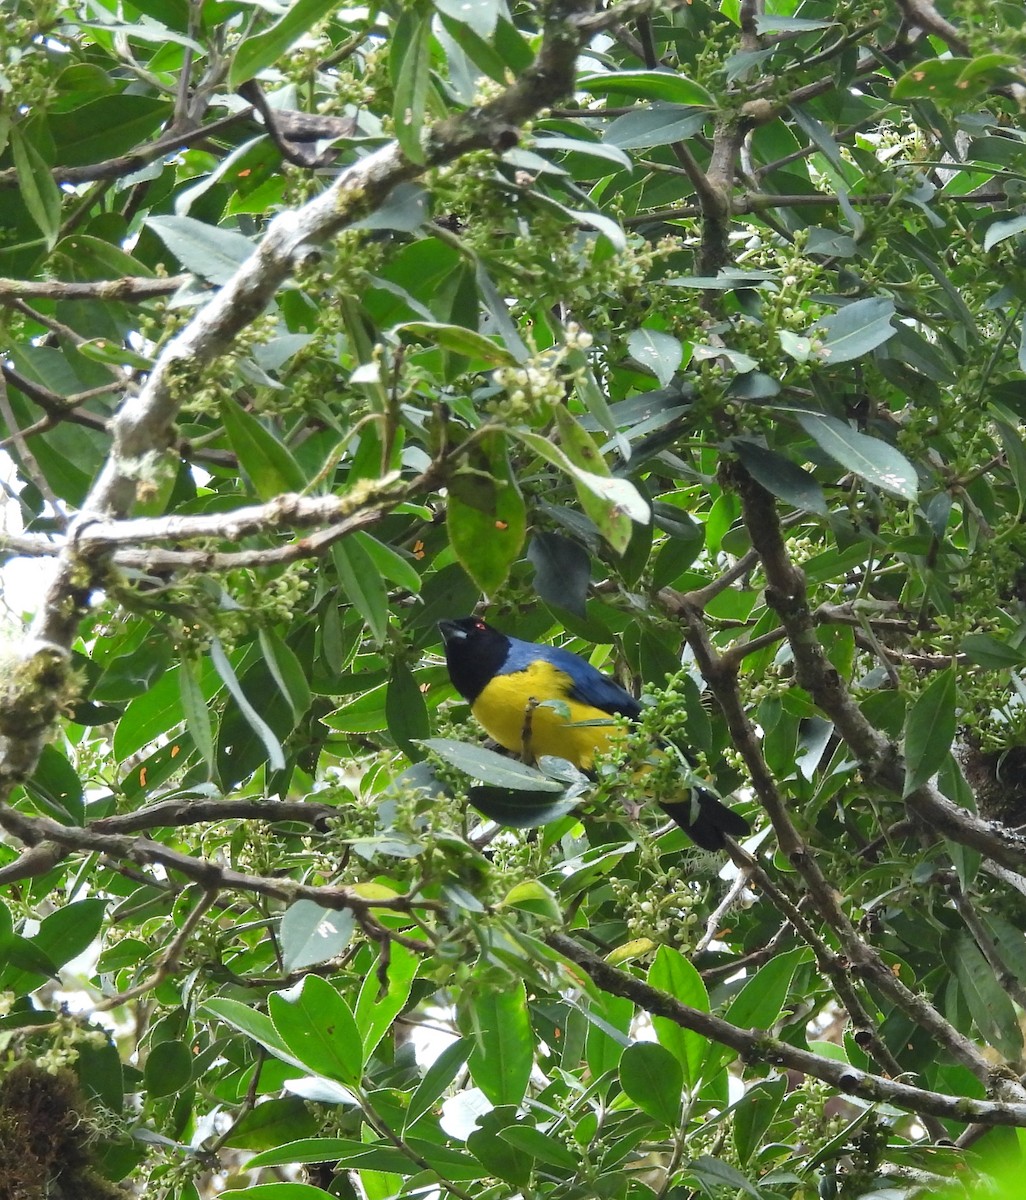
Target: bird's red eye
480	625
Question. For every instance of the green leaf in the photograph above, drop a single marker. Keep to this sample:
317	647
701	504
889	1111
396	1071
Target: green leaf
533	896
195	709
647	85
658	125
672	973
168	1068
405	710
459	340
410	66
988	651
254	1024
287	672
754	1113
759	1003
263	49
106	127
540	1146
281	1191
377	1009
318	1027
39	191
653	1078
503	1055
930	730
24	966
479	15
999	231
389	562
374	1156
207	251
311	934
856	329
437	1078
1010	943
781	477
872	460
661	352
56	787
362	585
365	714
612	503
718	1174
485	515
989	1005
70	931
562	571
271	1124
933	79
267	461
490	767
501	1158
520	809
547	144
272	747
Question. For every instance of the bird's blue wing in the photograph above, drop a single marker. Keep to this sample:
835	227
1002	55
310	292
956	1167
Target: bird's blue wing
587	686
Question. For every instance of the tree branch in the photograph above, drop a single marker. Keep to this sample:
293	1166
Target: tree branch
755	1046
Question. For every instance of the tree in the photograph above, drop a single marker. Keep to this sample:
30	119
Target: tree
687	335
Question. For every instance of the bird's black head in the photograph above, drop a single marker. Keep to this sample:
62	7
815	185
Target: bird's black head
474	652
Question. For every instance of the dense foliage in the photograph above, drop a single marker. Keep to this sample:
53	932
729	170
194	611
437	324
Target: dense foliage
687	335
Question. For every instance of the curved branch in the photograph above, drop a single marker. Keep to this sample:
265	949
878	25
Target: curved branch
755	1046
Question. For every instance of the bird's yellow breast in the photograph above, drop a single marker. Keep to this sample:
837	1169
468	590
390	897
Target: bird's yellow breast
505	710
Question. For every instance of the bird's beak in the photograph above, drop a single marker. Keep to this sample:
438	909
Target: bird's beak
450	631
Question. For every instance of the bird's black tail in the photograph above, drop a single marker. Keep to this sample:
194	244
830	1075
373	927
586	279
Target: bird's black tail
705	820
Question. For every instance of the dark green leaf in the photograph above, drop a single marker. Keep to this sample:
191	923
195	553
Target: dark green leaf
658	125
212	253
267	461
562	571
988	651
362	585
648	85
660	352
930	730
168	1068
992	1011
520	809
780	476
195	709
437	1078
272	747
653	1078
872	460
57	788
485	515
271	1124
38	190
406	711
856	329
541	1146
410	65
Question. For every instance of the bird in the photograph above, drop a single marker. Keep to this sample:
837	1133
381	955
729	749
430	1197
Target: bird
560	705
